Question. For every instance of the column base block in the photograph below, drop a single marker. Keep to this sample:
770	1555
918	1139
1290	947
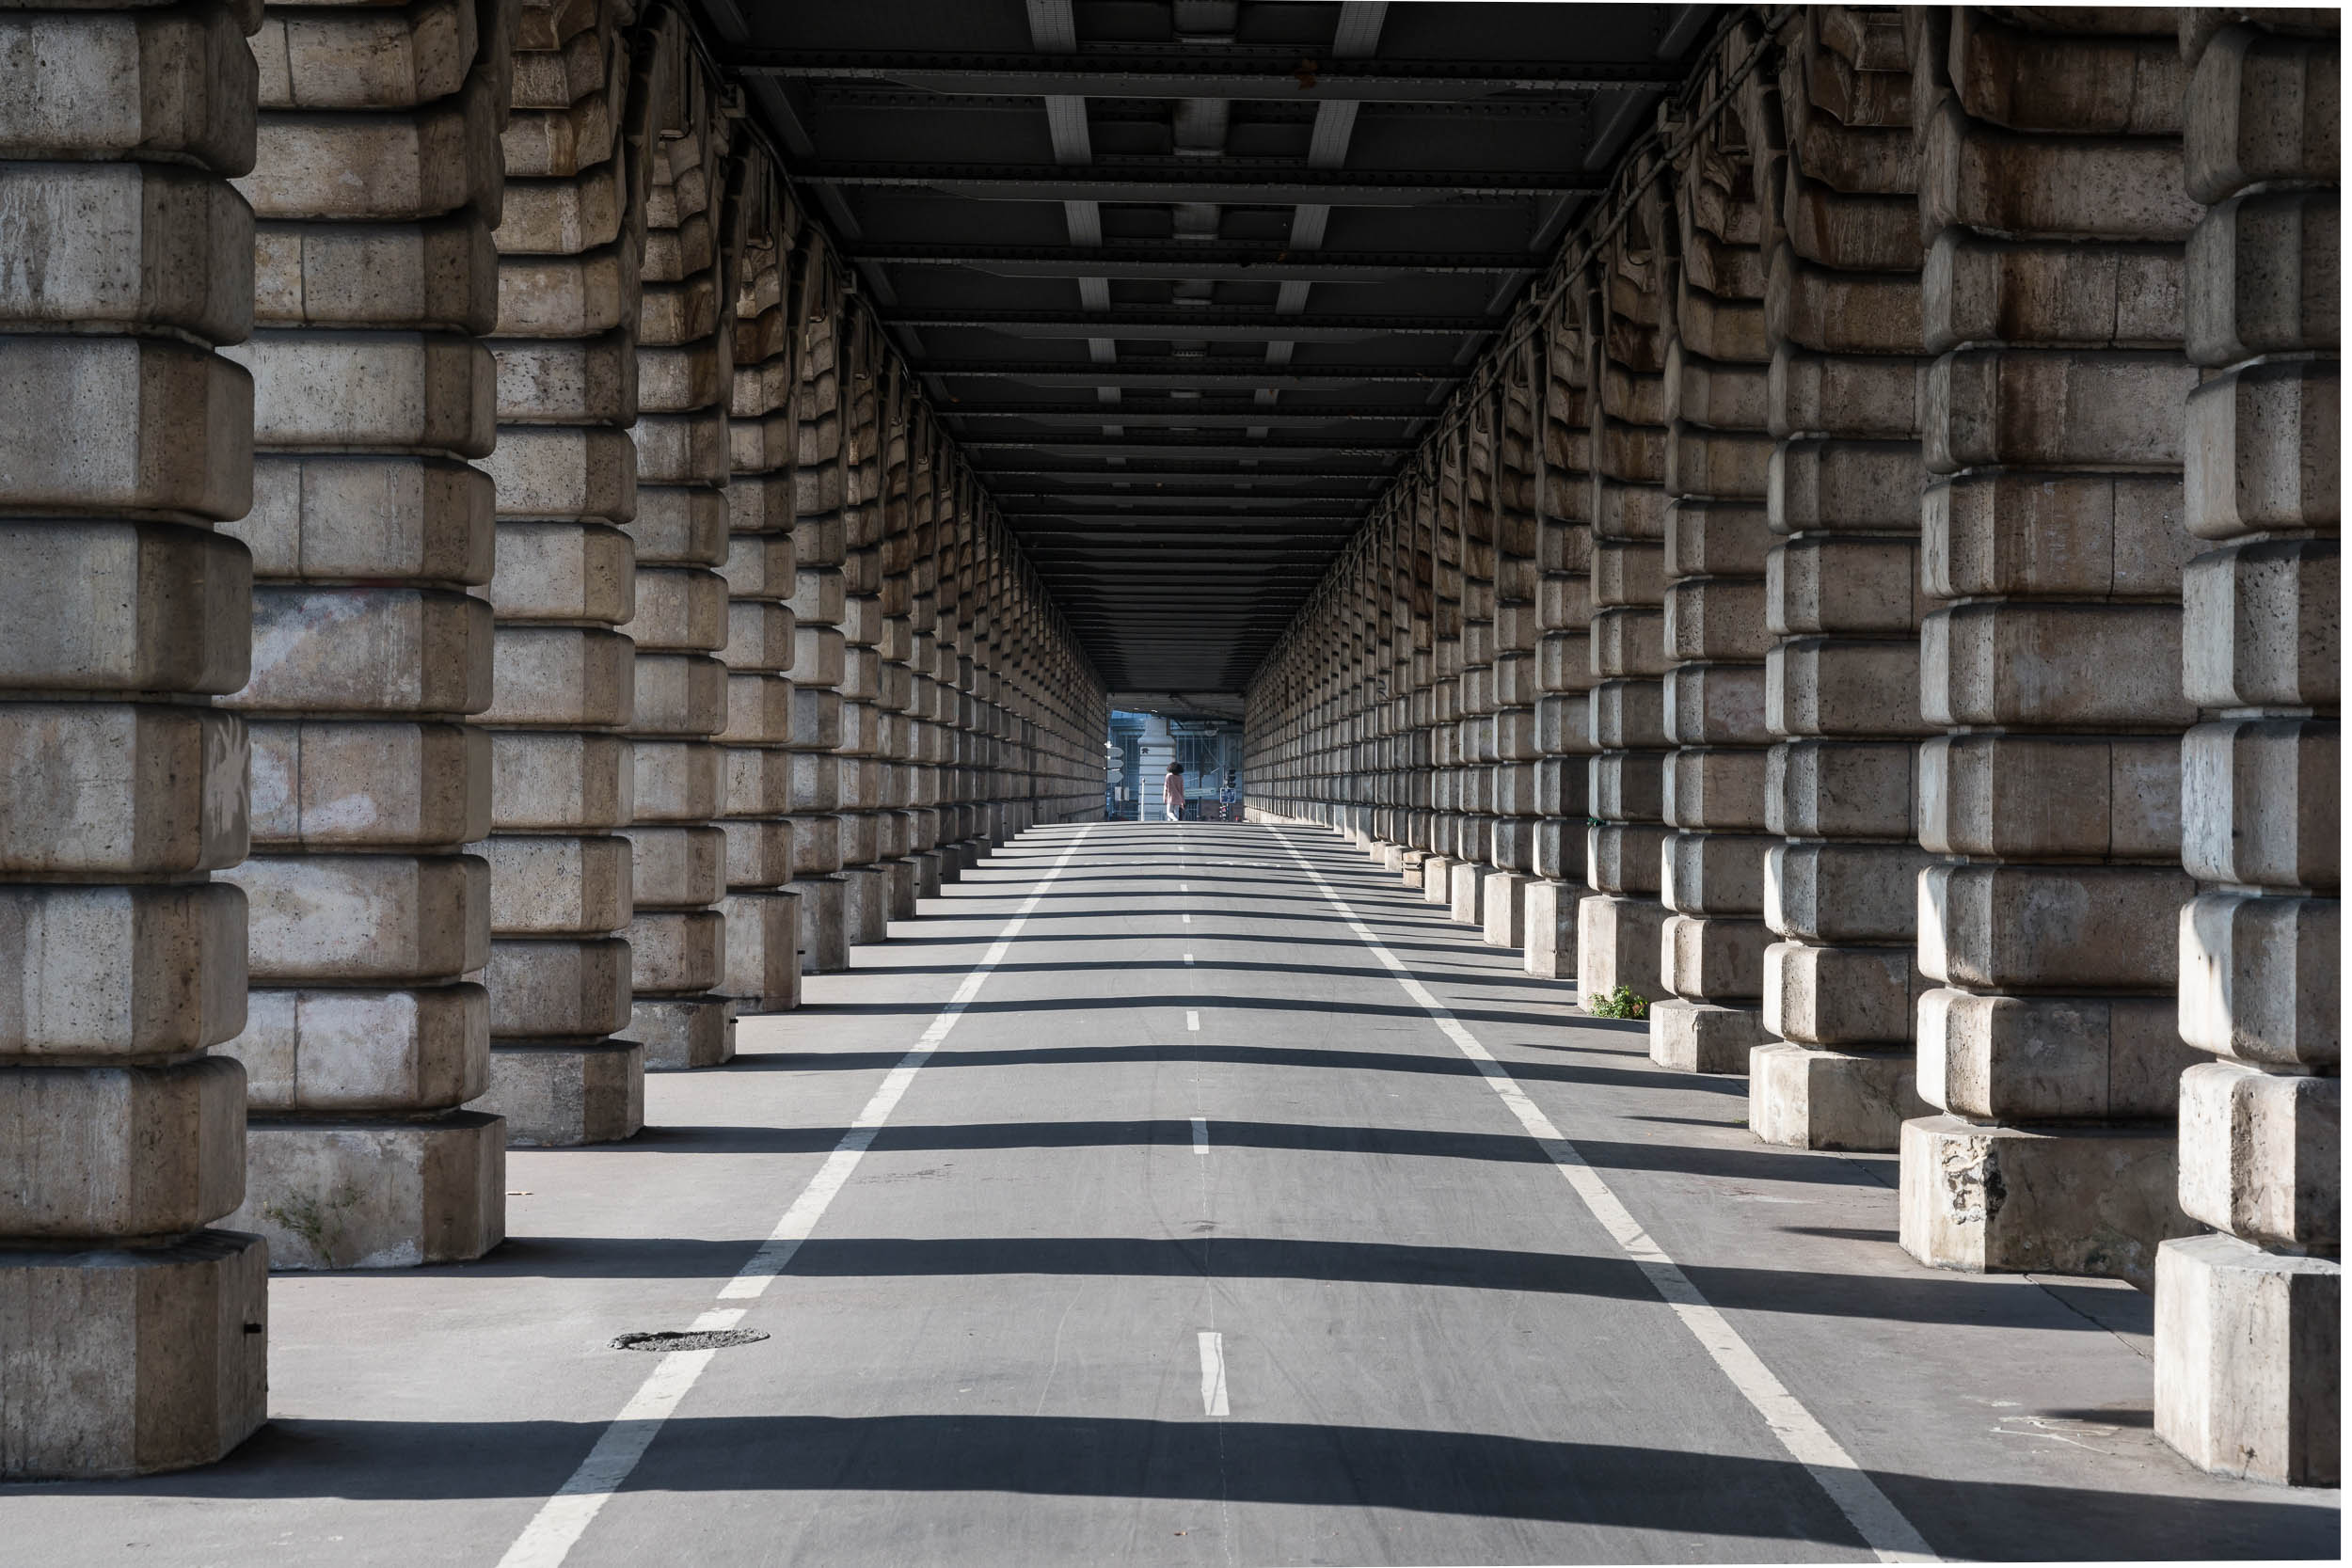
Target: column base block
927	875
1617	944
130	1360
1703	1037
680	1034
1805	1097
902	885
1504	911
376	1194
2088	1200
566	1093
1547	929
1467	892
865	904
2249	1359
1437	881
824	932
1410	867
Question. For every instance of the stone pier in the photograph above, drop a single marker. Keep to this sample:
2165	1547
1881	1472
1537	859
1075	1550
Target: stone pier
375	193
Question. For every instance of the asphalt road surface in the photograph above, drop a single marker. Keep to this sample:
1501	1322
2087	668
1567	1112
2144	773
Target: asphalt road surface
1246	1211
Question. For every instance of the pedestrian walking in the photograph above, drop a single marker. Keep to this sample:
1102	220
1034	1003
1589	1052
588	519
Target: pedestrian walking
1229	799
1172	793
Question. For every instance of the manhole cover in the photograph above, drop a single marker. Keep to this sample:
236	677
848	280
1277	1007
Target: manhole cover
674	1339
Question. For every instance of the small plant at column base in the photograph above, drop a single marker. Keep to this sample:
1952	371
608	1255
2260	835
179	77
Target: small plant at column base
1625	1002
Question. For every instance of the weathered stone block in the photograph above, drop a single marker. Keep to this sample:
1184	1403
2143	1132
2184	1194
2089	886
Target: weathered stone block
118	790
561	782
350	1051
561	474
678	950
2009	1058
678	866
2083	188
548	885
2261	449
678	610
2020	927
128	1361
2083	666
1840	789
2249	1359
353	919
2261	1154
152	969
1980	290
2258	978
1701	1037
1841	686
1840	996
361	1194
1809	1099
564	571
1857	395
327	783
397	389
89	1151
2259	802
677	781
1716	957
124	84
435	159
2263	276
2027	797
2081	1200
2263	625
2028	406
1842	584
682	1034
146	423
679	694
1713	787
1843	892
2260	107
563	1096
1617	944
558	988
127	244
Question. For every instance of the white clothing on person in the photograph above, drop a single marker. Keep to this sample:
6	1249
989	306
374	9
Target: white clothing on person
1172	795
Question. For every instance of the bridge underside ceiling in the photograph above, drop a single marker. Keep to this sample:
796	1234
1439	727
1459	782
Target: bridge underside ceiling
1190	280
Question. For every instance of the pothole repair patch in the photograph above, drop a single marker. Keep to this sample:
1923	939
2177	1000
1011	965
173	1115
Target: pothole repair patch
689	1339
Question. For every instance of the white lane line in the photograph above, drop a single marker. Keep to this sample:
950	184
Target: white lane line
1192	1021
1212	1373
1200	1134
1183	887
552	1533
1187	917
1188	957
1880	1524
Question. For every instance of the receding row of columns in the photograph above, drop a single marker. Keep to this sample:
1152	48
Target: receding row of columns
1896	547
485	609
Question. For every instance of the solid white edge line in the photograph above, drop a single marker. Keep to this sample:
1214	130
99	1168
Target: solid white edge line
1212	1373
551	1533
1200	1134
1881	1525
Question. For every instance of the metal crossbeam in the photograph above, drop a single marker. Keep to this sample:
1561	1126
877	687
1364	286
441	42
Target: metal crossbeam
1239	181
1270	263
1235	72
1187	372
1211	326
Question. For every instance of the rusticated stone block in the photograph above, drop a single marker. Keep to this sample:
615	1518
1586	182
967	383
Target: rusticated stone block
562	782
1826	312
1842	584
1843	892
2263	274
2010	1058
2259	802
2083	188
394	389
1808	1099
565	1094
2025	797
359	1051
341	517
150	970
549	885
1839	686
2076	666
122	1150
564	571
678	610
1717	957
326	784
561	474
147	245
2263	625
1840	996
679	694
368	650
361	918
1860	396
562	675
93	86
560	989
1844	486
440	275
146	423
1980	290
1840	789
677	781
2026	406
678	950
2261	1154
2080	84
2258	978
583	381
120	789
361	1194
1701	1037
2261	449
1714	705
2017	927
2260	107
1617	944
678	866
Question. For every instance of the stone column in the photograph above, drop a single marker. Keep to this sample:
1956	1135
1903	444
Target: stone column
934	472
1718	454
1842	598
1418	516
817	547
1510	837
763	914
1444	502
2248	1348
902	828
1563	658
867	893
1619	923
561	773
135	1336
376	184
1471	457
2050	179
685	371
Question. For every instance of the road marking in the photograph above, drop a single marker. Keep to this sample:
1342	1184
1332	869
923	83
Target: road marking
558	1526
1192	1021
1200	1134
1880	1524
1188	957
1212	1373
1183	887
1187	917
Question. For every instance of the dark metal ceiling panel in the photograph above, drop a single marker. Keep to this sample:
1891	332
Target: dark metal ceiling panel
1187	298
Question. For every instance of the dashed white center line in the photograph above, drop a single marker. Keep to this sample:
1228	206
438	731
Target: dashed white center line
1183	887
1192	1021
1188	957
1212	1373
1200	1134
1187	917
